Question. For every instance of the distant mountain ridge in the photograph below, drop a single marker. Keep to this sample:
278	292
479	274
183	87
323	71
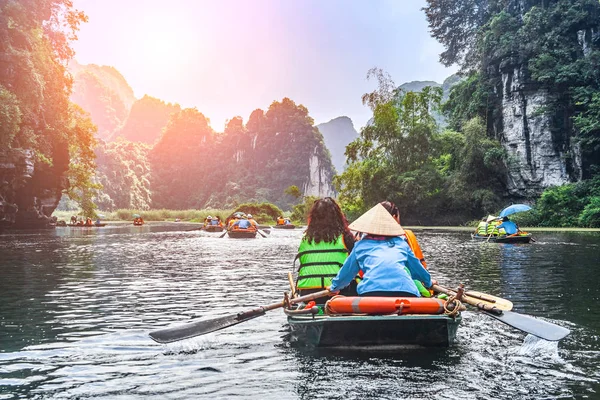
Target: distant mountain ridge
337	134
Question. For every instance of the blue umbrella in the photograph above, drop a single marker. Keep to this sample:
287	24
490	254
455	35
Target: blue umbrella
515	208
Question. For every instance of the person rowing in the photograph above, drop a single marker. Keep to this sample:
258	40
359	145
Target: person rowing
384	257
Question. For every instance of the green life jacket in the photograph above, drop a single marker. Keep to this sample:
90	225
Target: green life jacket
491	229
320	262
482	228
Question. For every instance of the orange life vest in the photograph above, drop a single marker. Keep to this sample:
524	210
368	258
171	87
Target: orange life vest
414	246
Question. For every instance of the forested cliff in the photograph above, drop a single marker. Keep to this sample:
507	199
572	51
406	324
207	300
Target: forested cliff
45	142
193	166
532	74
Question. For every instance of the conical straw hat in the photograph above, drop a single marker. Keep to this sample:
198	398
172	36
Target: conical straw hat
377	221
490	218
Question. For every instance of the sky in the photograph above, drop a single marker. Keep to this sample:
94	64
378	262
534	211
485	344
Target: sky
230	57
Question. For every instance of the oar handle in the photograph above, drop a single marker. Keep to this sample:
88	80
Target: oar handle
297	300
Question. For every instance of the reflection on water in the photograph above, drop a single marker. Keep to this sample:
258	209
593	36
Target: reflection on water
76	307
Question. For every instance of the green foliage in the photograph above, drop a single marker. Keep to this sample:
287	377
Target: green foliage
147	119
293	191
433	177
554	45
195	167
590	217
82	166
10	115
124	173
576	204
300	211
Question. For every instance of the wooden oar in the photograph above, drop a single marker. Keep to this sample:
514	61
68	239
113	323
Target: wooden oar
192	329
223	234
292	285
525	323
261	234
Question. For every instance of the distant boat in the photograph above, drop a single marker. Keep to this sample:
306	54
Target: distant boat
288	226
86	226
519	238
213	228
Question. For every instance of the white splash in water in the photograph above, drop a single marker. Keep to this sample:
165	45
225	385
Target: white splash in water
533	346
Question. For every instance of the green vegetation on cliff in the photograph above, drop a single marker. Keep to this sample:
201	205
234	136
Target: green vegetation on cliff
553	48
147	119
35	111
104	94
192	166
434	177
124	173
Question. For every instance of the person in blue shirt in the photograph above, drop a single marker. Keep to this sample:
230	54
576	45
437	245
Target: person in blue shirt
243	223
382	256
510	227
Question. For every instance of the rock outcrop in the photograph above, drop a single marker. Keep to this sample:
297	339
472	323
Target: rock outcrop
537	155
319	180
337	134
29	190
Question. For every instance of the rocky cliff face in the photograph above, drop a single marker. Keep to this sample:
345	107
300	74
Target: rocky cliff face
538	155
29	191
319	181
337	134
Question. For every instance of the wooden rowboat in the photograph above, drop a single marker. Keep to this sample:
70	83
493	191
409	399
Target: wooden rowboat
289	226
242	233
86	226
374	331
525	238
213	228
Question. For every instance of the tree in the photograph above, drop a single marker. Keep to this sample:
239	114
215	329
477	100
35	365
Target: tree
293	191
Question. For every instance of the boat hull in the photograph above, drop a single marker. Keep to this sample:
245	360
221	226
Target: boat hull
241	234
86	226
285	226
504	239
374	331
212	228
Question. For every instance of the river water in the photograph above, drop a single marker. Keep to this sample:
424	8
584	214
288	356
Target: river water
76	307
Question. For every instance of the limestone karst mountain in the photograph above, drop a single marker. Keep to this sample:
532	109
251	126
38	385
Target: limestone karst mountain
338	133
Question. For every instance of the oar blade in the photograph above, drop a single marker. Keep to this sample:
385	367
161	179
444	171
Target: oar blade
532	325
198	328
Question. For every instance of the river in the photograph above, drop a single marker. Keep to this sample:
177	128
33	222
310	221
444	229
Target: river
76	306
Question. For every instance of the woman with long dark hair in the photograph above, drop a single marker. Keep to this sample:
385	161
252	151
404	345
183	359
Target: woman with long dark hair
324	247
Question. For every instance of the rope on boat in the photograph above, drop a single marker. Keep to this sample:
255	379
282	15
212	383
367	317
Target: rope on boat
452	306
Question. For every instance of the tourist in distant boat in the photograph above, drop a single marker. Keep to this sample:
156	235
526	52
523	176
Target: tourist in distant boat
280	220
252	221
324	247
243	224
481	227
287	221
510	228
98	221
382	255
88	221
207	221
73	220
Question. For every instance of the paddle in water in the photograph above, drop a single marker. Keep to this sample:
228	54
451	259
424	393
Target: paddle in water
526	323
192	329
